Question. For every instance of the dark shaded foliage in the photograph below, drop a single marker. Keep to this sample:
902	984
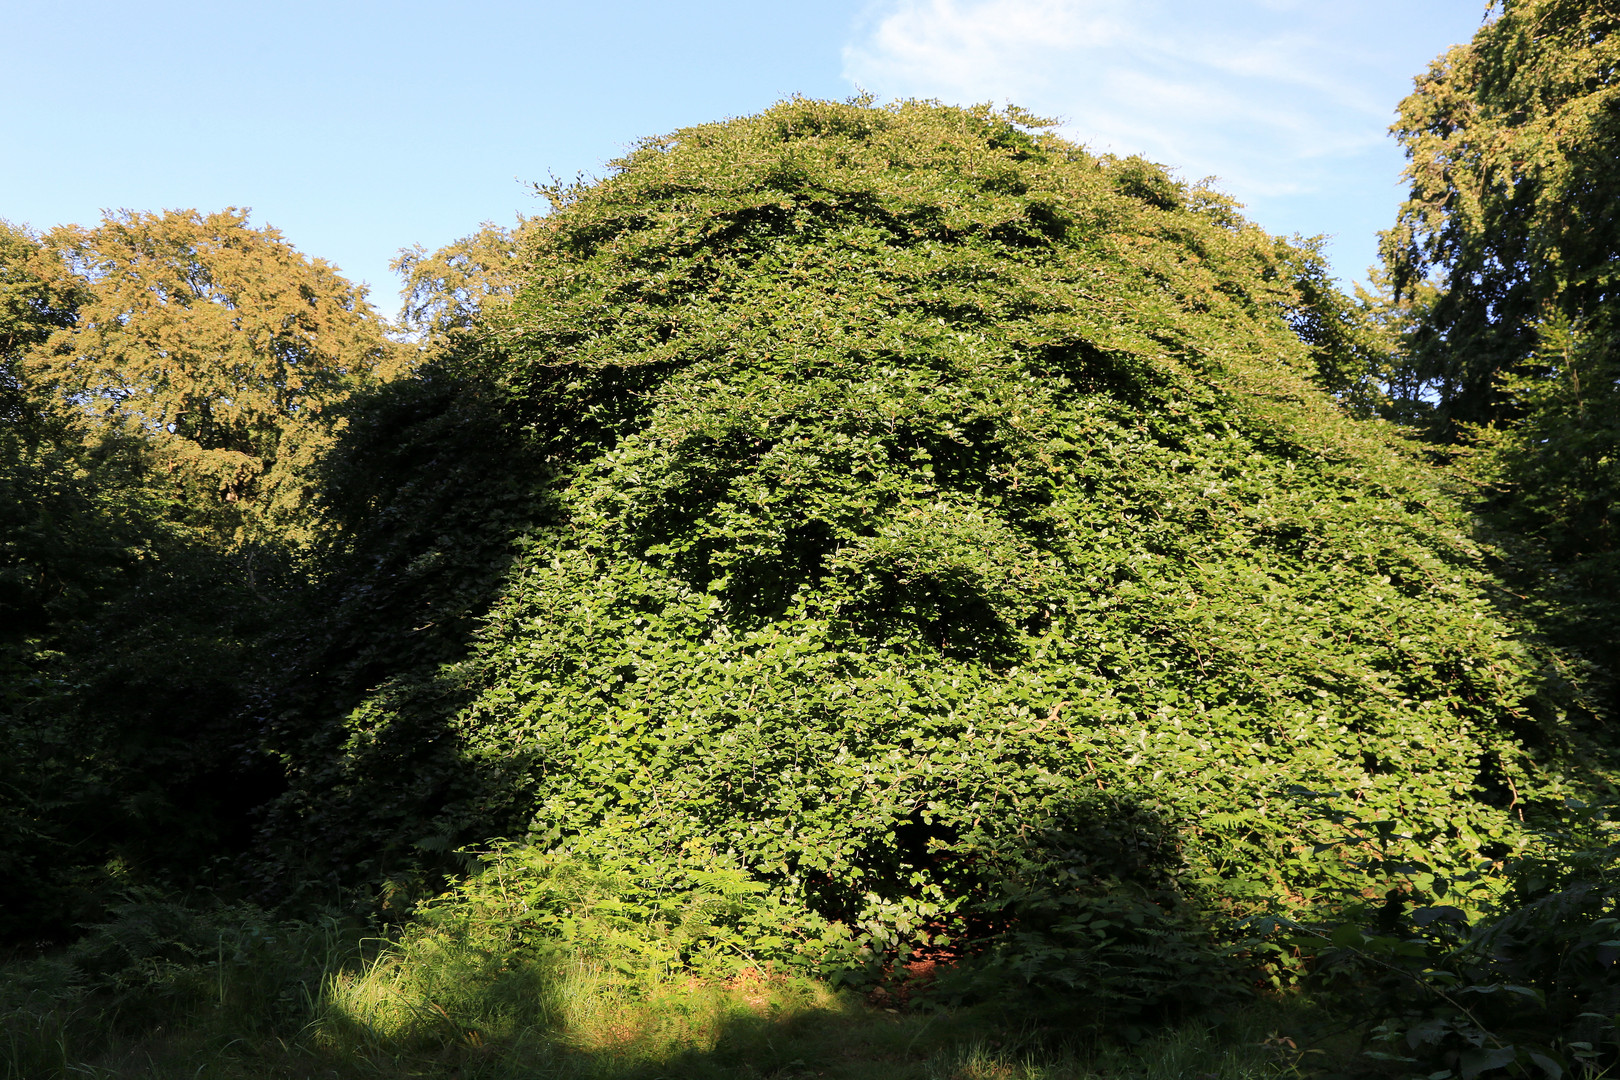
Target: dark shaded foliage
423	496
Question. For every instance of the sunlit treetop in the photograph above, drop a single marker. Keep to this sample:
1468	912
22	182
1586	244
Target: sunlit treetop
212	338
1512	140
450	289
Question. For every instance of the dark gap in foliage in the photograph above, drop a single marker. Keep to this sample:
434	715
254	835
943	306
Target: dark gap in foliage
945	610
761	590
1124	378
923	843
429	490
1141	179
568	413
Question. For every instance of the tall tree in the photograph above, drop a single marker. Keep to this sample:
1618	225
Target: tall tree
1512	140
219	342
1505	262
940	524
164	379
119	631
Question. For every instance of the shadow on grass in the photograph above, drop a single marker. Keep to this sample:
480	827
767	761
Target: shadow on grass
1093	969
715	1031
1085	940
575	1021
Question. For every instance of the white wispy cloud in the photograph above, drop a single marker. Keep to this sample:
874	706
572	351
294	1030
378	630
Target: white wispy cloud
1285	101
1116	69
963	47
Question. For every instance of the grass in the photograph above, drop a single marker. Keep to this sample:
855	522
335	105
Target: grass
314	1001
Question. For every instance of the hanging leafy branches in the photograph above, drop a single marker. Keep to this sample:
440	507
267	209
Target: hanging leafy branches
949	536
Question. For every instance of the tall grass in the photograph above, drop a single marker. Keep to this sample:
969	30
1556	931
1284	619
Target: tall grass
162	993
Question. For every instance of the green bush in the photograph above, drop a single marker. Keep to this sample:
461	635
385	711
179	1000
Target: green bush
947	536
683	913
1525	987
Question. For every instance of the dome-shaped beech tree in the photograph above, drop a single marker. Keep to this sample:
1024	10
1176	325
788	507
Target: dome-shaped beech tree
948	536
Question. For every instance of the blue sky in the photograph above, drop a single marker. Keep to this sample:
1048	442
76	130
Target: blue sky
358	128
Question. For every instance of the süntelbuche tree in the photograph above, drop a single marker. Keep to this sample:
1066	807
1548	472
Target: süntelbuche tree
949	537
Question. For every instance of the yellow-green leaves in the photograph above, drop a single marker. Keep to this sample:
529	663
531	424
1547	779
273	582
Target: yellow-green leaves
450	289
218	343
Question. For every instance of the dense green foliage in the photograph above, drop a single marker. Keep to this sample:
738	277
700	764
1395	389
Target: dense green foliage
163	377
1505	259
892	546
1503	272
1528	988
948	537
1512	140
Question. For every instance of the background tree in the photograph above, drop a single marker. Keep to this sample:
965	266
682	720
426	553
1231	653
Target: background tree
169	381
449	289
1351	339
219	343
1512	140
1505	267
120	641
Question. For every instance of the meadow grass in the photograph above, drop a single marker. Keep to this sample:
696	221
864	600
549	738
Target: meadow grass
330	1005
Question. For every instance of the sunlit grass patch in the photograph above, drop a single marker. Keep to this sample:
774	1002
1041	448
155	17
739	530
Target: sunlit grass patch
431	997
430	1009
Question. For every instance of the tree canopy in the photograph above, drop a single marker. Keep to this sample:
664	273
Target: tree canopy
943	513
450	289
218	343
1504	260
1512	140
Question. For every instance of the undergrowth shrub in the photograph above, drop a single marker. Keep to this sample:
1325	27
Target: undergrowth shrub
434	996
163	954
686	914
1523	985
572	952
